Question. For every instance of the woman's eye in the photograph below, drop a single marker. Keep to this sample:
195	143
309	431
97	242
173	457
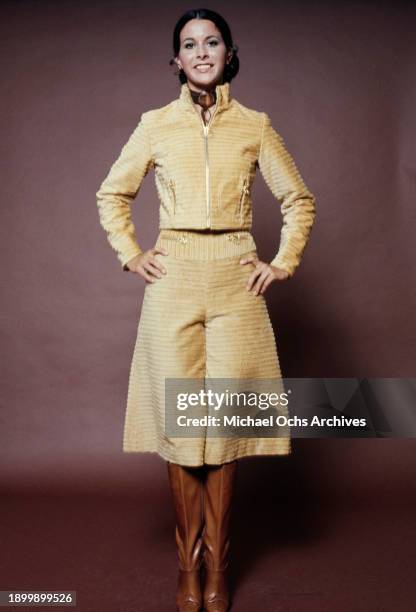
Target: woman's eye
214	43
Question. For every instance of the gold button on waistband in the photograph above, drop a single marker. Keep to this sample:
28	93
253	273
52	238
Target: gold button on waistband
234	237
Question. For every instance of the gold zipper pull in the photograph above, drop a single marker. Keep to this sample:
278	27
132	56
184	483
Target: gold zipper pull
245	190
171	184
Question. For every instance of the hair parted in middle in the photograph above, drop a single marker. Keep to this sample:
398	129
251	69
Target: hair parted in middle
232	67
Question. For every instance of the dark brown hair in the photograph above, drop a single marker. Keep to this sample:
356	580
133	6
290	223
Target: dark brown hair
231	69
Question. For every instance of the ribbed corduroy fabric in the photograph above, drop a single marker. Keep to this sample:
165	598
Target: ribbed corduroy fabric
204	175
197	321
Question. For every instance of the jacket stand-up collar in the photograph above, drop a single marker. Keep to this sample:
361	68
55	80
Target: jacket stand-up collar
223	97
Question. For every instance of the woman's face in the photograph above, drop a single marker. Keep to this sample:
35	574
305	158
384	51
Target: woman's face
202	45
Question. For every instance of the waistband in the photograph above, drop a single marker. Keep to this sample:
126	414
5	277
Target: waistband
206	245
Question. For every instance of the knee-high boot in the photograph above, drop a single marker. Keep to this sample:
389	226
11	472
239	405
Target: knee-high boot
219	488
186	484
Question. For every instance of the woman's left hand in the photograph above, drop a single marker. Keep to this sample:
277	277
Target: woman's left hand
263	275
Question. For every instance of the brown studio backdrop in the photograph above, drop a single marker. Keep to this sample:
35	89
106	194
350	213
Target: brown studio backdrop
339	85
343	100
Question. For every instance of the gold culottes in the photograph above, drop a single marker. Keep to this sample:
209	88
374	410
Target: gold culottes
199	320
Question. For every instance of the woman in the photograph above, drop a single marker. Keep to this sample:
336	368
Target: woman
204	312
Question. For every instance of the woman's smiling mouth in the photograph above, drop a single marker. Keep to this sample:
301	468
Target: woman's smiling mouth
203	67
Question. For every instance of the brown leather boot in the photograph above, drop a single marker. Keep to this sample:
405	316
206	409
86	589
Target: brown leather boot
186	484
218	495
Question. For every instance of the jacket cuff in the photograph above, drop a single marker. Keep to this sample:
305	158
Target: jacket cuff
126	258
283	265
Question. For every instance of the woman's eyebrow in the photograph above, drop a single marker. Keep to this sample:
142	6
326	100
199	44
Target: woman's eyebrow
209	36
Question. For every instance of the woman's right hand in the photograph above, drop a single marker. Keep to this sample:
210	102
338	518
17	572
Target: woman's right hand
147	265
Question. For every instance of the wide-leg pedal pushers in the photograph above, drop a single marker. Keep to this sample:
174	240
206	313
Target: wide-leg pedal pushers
198	321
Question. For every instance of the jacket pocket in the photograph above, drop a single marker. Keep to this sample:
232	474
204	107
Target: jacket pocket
166	192
244	192
171	185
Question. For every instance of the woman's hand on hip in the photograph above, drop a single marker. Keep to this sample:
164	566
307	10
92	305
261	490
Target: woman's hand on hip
147	265
263	274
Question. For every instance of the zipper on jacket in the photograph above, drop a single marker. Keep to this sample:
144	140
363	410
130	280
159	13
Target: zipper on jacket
244	191
172	190
207	175
207	189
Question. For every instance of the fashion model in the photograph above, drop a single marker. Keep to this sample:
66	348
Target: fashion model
204	313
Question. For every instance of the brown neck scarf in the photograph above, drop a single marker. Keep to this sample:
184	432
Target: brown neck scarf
205	99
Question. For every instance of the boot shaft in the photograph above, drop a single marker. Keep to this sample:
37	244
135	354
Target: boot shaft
219	490
187	490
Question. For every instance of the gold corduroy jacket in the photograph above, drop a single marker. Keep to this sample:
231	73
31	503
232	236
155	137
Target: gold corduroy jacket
204	175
